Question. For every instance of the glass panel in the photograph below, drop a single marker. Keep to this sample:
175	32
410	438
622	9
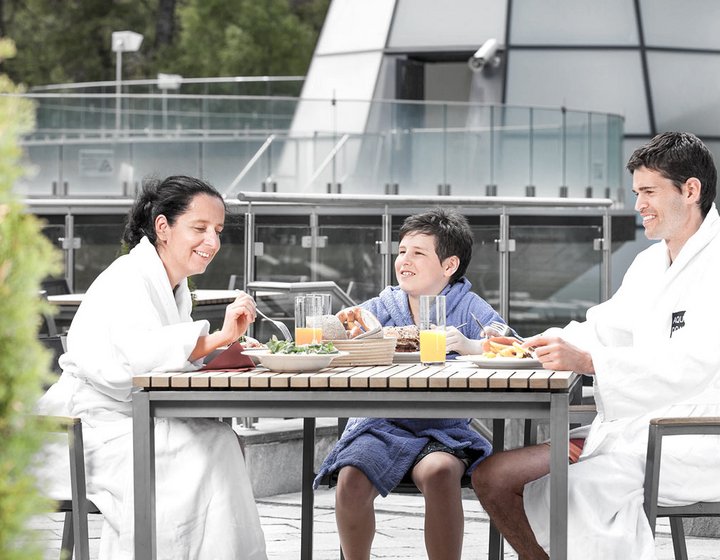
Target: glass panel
601	81
694	23
41	164
161	159
100	169
559	22
668	72
427	23
484	268
554	272
512	155
100	236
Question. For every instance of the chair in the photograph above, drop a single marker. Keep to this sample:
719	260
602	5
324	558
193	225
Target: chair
76	507
55	286
663	427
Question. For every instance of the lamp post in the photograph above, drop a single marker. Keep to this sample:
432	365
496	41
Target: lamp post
122	41
164	83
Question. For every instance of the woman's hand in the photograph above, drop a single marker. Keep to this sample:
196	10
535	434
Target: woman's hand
458	342
555	353
238	316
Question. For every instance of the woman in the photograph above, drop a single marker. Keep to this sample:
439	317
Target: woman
135	317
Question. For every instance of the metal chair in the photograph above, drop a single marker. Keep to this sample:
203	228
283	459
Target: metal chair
659	428
76	507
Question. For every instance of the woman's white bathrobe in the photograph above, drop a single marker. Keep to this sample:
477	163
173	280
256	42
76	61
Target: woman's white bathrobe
131	322
655	347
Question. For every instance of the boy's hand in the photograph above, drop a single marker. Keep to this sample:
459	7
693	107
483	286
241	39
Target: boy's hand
458	342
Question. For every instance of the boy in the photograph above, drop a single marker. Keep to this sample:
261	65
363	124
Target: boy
375	454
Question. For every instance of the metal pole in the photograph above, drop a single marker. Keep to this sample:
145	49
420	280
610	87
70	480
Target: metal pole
118	88
249	275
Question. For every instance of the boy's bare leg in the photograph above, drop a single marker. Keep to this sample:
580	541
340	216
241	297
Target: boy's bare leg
355	513
499	481
438	477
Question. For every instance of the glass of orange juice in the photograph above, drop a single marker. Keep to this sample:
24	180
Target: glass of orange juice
309	309
433	344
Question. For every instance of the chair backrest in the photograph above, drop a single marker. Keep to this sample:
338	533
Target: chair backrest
55	286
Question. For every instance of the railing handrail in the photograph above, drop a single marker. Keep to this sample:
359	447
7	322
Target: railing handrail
410	200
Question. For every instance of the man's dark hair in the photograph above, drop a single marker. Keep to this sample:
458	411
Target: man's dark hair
453	236
679	156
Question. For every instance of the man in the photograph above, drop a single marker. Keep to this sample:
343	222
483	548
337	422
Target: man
653	350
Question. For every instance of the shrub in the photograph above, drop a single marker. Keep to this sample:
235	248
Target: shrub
26	257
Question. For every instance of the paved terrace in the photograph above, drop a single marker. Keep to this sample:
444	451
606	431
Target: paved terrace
399	530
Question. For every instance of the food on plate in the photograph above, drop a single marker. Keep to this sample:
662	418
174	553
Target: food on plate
249	342
356	321
504	347
408	337
289	347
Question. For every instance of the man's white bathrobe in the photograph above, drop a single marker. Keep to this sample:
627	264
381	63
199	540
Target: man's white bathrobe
656	349
131	322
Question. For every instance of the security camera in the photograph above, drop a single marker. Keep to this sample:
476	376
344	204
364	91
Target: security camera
484	55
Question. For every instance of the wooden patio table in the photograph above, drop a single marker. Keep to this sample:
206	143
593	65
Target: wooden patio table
455	390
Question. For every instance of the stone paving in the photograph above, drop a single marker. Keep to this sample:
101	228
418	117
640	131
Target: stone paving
399	530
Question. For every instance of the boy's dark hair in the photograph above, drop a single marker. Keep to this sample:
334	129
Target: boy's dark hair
170	197
452	232
679	156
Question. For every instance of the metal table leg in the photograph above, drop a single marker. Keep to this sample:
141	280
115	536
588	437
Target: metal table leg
559	406
144	477
496	541
308	473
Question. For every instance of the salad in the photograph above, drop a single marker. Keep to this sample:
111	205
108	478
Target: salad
289	347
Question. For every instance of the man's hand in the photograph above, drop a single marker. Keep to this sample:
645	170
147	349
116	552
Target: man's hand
555	353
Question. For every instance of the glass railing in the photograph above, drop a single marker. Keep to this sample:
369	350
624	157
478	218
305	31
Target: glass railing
539	261
99	144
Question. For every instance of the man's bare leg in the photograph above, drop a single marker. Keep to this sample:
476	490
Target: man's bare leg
355	513
499	481
438	476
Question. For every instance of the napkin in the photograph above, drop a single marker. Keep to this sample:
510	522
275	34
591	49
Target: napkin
230	359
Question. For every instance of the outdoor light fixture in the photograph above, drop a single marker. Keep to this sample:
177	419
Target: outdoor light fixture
122	41
164	83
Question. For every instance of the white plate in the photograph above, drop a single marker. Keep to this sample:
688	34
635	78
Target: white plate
500	362
406	358
293	363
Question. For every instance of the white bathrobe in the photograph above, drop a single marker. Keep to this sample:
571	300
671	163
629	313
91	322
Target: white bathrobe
655	349
131	322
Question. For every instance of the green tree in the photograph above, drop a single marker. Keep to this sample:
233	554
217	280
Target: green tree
25	258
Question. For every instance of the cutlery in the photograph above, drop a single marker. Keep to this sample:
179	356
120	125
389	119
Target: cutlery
277	324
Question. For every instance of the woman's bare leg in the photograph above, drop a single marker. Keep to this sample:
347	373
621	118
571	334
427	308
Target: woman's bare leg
438	476
355	513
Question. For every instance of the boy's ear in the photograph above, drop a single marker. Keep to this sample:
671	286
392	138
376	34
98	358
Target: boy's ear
450	265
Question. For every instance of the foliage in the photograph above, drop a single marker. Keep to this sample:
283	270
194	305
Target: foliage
25	258
69	41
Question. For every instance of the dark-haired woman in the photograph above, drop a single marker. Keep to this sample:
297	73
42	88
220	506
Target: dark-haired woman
135	318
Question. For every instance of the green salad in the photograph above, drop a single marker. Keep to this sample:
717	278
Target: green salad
289	347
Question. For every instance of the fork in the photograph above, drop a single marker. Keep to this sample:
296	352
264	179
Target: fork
277	324
495	328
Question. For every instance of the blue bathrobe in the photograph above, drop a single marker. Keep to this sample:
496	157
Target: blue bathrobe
386	448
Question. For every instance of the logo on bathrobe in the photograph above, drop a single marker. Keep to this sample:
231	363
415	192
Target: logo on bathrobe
678	321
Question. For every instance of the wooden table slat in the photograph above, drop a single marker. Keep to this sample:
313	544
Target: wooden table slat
541	379
480	378
562	379
421	379
521	379
501	379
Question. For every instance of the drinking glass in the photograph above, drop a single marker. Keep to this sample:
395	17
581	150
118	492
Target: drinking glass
433	342
309	309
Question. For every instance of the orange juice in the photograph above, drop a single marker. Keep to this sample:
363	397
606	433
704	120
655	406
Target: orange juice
432	346
307	335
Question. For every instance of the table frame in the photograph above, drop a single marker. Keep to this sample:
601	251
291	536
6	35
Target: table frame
552	405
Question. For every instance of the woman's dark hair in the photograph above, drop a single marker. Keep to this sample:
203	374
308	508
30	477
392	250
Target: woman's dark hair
453	236
170	197
677	156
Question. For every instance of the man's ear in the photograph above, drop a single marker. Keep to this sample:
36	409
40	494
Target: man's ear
450	265
693	188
